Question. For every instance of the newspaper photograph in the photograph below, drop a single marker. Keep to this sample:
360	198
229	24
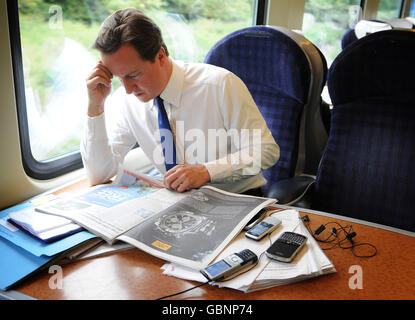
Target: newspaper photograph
193	231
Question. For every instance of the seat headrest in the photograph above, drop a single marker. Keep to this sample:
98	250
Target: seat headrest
411	20
400	23
348	37
380	65
366	27
266	56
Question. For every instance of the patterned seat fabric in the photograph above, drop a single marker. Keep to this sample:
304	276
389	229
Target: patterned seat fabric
367	170
277	74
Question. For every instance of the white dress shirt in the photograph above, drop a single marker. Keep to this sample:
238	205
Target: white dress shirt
214	120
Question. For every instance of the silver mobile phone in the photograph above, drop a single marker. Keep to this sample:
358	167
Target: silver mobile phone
263	228
232	265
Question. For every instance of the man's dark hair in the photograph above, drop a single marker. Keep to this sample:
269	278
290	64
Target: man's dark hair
130	26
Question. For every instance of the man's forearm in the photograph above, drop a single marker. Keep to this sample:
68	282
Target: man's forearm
99	162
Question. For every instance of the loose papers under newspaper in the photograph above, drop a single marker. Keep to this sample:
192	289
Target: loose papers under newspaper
45	227
311	261
188	228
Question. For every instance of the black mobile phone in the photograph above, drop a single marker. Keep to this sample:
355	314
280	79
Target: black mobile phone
231	266
286	247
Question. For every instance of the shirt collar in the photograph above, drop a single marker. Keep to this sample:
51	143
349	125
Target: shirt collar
172	93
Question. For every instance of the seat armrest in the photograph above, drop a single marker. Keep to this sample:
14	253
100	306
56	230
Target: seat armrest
290	191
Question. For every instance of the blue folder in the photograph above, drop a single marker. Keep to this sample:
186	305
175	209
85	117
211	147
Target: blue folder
33	245
17	264
22	255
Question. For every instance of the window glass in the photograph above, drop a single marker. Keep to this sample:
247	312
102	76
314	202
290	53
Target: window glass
412	10
325	22
389	9
56	38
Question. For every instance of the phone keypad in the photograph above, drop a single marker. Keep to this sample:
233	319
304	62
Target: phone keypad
246	255
291	237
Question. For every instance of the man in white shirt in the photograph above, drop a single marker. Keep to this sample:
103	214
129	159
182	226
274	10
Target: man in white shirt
220	137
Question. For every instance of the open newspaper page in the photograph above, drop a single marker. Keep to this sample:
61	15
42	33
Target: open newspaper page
110	210
193	231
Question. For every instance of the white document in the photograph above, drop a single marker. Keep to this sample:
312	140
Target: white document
36	222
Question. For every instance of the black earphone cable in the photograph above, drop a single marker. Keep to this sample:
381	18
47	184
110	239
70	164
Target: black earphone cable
184	291
348	237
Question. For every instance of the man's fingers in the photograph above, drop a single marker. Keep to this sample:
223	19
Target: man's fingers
96	81
179	182
102	67
185	177
177	178
98	73
171	176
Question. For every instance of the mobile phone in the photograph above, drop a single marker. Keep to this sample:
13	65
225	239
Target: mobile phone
286	247
263	228
232	265
255	219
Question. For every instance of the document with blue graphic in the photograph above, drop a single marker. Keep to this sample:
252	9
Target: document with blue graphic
110	210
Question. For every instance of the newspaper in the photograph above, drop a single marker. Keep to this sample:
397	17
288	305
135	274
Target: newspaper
110	210
193	231
189	228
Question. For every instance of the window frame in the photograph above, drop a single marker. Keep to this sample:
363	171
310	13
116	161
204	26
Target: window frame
400	9
42	170
60	165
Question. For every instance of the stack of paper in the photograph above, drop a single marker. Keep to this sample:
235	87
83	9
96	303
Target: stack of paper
45	227
310	262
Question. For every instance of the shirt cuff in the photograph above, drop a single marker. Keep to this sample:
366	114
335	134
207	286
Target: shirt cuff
96	129
219	169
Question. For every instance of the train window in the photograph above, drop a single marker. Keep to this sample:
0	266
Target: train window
325	22
389	9
412	9
52	57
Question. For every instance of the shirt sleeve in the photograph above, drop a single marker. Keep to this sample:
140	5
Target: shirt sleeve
103	156
253	147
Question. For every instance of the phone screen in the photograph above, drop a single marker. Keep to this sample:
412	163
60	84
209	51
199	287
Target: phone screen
260	229
217	268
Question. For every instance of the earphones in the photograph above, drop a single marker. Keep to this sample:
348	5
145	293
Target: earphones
338	236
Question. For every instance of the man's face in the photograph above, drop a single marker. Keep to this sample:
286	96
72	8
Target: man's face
140	77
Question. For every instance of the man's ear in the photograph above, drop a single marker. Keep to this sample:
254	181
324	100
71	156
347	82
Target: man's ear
161	55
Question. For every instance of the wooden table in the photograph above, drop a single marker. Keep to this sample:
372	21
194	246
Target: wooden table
134	274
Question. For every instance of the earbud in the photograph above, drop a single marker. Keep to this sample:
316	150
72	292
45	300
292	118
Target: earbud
319	230
350	236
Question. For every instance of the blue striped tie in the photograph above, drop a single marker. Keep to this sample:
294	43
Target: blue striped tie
167	141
